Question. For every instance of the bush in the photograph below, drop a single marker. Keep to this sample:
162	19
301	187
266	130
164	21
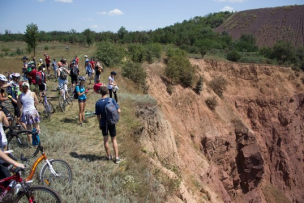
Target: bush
199	86
283	52
179	69
46	47
136	73
110	54
233	55
19	51
211	103
136	52
218	85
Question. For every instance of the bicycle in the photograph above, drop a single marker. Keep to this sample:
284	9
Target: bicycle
52	77
48	107
20	190
18	140
89	114
63	100
54	172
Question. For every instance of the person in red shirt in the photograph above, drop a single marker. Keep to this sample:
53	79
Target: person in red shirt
77	60
47	62
32	77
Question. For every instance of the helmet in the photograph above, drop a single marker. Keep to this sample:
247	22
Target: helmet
81	78
59	64
3	78
15	75
113	73
97	88
40	60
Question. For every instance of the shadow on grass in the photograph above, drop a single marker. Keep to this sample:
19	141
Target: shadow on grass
68	120
88	157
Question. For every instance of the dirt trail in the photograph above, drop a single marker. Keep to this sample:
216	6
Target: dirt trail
241	152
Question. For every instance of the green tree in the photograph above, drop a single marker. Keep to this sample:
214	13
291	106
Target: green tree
122	32
233	55
283	52
31	37
110	54
136	73
199	86
89	36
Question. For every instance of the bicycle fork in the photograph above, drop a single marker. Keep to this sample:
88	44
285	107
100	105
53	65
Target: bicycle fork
50	166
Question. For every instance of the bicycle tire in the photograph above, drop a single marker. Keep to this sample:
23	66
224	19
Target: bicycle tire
40	194
62	168
69	100
47	112
19	143
51	107
61	104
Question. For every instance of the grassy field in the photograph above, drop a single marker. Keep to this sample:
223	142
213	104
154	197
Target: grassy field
95	179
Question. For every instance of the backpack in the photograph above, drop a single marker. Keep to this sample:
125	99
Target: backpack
43	77
75	94
63	74
98	70
112	115
74	72
38	78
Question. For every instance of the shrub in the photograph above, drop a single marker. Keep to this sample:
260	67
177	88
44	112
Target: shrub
136	73
218	85
211	103
46	47
136	52
179	70
199	86
19	51
233	55
283	52
110	54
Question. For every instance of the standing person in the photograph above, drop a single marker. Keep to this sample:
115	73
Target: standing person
40	63
28	102
24	67
77	60
89	71
32	79
98	70
81	91
34	61
47	63
14	91
112	86
54	64
62	73
100	107
41	82
74	73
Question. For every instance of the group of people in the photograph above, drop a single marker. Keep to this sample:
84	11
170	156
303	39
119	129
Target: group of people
16	88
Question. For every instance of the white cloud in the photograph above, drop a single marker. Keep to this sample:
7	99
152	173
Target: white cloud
228	8
114	12
88	19
40	0
94	26
64	1
231	1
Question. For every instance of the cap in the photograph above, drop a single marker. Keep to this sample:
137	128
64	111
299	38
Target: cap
25	84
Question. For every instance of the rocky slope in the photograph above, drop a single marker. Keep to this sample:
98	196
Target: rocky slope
268	25
249	149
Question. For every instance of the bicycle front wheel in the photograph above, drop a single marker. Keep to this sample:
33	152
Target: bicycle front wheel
69	100
61	103
38	194
20	142
60	177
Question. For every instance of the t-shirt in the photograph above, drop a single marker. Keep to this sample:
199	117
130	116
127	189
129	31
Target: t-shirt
47	60
110	80
100	107
88	68
54	65
32	74
81	90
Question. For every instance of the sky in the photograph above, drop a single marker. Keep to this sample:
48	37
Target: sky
110	15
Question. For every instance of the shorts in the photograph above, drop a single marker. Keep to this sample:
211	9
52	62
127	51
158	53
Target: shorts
108	128
82	100
42	87
30	117
74	80
90	74
63	85
48	66
17	111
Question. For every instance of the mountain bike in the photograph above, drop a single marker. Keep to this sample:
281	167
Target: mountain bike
48	107
19	141
53	77
54	172
63	100
89	114
20	190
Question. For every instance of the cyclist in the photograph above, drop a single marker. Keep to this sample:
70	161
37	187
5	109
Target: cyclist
62	73
74	73
28	102
54	64
13	90
89	70
47	62
41	82
81	91
3	80
40	63
24	67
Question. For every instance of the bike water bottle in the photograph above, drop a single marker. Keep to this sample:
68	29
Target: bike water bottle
35	137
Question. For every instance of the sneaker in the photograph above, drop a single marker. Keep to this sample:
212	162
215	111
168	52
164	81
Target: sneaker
80	124
109	158
85	121
117	160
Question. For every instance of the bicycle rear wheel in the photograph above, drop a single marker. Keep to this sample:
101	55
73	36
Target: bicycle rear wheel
69	100
61	103
38	194
47	111
63	171
19	142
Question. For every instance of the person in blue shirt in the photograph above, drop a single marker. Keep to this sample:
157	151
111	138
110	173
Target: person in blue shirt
103	126
81	91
